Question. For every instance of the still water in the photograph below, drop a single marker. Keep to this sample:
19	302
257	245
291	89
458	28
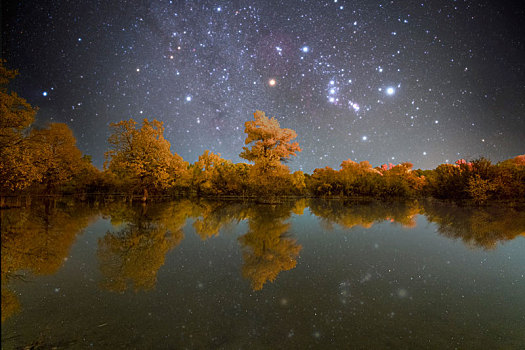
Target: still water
315	274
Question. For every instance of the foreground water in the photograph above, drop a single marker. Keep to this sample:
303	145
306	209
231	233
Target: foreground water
230	275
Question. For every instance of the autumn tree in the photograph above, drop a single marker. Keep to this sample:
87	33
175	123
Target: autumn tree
206	172
324	181
16	115
271	145
143	157
56	155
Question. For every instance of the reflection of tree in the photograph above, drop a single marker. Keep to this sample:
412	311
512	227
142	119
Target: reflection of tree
37	240
350	214
10	303
134	254
214	215
477	227
266	249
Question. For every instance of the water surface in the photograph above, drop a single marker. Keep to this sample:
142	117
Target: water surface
229	275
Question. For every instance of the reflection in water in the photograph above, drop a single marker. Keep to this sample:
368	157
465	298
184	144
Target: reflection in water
213	216
477	227
267	250
348	214
133	254
481	227
37	240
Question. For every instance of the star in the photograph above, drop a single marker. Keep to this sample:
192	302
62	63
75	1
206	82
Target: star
272	82
390	91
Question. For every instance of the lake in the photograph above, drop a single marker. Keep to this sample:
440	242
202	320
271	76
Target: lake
202	274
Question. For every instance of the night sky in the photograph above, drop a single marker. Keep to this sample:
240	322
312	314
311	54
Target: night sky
385	81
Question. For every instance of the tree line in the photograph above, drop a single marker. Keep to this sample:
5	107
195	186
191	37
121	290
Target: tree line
140	163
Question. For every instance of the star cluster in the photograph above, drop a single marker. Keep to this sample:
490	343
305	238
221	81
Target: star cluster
420	81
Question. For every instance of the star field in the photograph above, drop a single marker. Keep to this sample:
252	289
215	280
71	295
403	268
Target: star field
420	81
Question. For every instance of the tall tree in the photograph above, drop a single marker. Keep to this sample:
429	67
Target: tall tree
16	115
143	155
56	155
271	145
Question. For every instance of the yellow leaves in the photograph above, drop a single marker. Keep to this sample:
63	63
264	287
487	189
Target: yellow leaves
36	240
16	171
134	254
15	113
57	154
143	155
266	249
48	155
271	142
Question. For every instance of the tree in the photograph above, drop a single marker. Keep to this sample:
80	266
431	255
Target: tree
271	145
55	154
143	156
16	115
206	173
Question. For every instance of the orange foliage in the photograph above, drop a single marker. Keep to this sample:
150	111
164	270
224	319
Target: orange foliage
143	156
267	249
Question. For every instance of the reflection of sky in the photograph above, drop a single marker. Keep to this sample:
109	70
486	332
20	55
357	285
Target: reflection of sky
389	276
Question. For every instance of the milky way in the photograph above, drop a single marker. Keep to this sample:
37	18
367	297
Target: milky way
420	81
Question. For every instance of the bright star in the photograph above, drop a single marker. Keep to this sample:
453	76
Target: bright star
272	82
390	91
44	93
364	138
188	98
305	49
